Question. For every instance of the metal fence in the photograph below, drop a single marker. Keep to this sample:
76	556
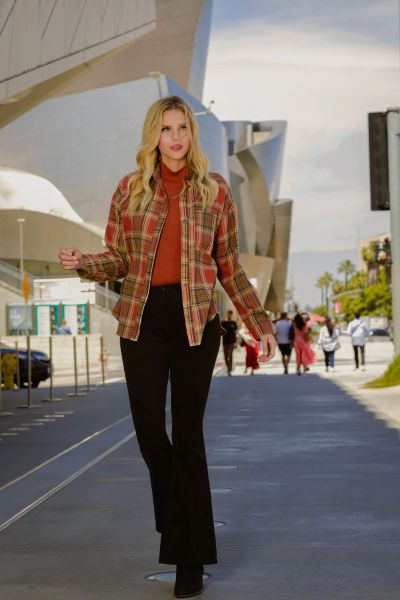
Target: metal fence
11	276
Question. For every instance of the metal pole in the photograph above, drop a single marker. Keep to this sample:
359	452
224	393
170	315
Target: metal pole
50	398
29	403
28	340
76	392
17	365
75	365
102	360
2	413
20	222
393	133
88	388
87	361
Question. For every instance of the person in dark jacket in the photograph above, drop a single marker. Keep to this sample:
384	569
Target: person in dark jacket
229	340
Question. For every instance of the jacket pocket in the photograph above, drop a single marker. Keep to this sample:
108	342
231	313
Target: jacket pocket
205	226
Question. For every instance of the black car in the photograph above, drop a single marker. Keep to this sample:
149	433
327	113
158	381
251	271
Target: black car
378	331
40	365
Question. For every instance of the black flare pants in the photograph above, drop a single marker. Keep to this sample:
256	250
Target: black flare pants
178	467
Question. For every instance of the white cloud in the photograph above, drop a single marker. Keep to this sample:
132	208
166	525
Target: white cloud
323	81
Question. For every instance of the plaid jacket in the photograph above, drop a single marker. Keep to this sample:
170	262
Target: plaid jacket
209	250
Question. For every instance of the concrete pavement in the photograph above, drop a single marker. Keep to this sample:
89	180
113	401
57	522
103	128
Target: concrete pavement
384	403
304	481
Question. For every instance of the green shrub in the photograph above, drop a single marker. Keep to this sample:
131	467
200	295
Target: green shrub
390	377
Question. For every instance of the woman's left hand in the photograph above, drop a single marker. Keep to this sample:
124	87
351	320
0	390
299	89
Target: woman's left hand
268	343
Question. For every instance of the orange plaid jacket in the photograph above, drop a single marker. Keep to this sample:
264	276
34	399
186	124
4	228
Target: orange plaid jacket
209	250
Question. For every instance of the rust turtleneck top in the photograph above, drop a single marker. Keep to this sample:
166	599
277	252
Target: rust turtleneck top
167	264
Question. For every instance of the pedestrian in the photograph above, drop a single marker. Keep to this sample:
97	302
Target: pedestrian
251	346
328	341
284	333
64	328
359	333
229	340
302	344
172	230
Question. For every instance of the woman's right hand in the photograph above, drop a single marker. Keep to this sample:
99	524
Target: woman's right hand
71	258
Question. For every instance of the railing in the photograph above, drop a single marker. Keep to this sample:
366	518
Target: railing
105	298
11	276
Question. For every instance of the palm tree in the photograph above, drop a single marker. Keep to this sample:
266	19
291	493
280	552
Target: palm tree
327	279
358	281
348	268
337	286
321	285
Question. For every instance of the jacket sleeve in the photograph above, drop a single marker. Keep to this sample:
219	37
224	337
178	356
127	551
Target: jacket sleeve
114	262
232	276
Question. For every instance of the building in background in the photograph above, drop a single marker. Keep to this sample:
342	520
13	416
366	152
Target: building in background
255	164
79	129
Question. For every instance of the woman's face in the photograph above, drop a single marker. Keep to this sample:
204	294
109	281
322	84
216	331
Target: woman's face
175	135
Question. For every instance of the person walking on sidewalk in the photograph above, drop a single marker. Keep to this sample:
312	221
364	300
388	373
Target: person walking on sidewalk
359	334
250	344
302	344
229	339
328	341
284	332
172	230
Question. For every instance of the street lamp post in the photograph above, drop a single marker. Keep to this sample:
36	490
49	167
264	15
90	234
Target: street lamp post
393	133
21	222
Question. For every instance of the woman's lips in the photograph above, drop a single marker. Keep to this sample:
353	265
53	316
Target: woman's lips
176	148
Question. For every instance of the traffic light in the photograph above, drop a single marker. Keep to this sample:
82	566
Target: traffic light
378	161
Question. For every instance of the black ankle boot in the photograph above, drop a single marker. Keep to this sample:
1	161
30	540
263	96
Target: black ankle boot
189	581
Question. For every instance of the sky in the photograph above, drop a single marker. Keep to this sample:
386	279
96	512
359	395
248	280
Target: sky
322	67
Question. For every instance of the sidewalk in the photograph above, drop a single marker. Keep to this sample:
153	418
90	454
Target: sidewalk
304	482
384	402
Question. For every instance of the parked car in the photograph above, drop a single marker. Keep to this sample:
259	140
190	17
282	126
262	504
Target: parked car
378	331
40	365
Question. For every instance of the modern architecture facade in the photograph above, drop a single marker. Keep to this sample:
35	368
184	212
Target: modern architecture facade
75	128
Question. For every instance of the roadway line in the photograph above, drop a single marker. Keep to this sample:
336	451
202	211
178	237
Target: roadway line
67	481
43	464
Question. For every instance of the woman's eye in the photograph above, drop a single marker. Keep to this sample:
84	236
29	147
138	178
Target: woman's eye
164	128
183	126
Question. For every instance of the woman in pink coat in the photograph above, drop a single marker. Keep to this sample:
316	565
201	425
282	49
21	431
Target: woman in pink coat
304	353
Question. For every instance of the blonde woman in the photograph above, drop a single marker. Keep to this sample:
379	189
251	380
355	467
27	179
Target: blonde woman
172	230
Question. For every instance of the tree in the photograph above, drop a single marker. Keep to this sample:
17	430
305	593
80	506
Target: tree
368	253
321	310
321	285
348	268
374	300
327	279
337	286
358	281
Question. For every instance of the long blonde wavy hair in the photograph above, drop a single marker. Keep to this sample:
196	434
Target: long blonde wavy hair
148	157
